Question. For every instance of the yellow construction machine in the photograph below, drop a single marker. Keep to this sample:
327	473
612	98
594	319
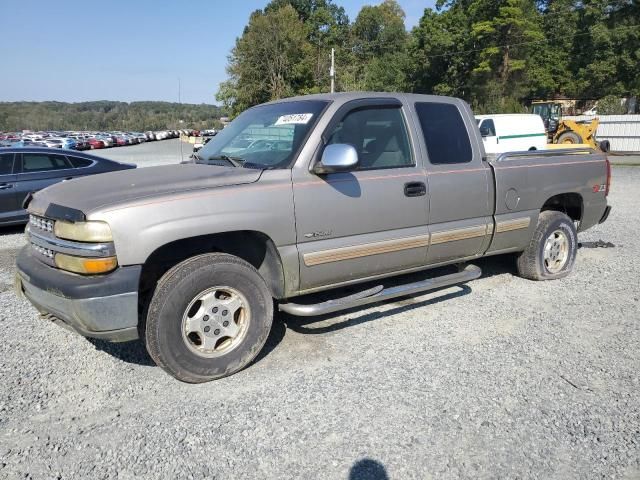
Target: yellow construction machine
567	132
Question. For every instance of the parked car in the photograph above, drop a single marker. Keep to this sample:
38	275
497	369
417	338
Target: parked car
107	140
512	132
28	169
363	186
141	137
11	142
198	146
66	143
95	143
82	143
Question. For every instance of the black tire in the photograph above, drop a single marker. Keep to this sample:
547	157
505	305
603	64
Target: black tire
175	292
531	262
570	137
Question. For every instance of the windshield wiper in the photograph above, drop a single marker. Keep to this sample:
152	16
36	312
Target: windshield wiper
258	166
235	161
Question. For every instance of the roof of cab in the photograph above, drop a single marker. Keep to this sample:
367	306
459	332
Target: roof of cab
344	97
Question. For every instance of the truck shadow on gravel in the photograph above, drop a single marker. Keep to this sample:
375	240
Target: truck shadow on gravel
130	352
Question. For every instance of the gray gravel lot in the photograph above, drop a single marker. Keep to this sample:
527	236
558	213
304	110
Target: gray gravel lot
502	378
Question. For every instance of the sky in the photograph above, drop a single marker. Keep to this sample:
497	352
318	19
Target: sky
128	50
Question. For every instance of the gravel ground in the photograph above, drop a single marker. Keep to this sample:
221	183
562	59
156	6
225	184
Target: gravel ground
502	378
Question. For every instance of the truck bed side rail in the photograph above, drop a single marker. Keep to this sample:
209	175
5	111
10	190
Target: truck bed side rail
502	157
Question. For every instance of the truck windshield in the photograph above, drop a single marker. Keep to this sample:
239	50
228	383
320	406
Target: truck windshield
266	136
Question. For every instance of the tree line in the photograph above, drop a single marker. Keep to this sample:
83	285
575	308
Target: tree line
107	115
496	54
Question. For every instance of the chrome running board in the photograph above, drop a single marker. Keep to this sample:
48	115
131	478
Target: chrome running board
380	294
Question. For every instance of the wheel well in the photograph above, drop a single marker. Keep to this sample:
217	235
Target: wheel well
569	203
254	247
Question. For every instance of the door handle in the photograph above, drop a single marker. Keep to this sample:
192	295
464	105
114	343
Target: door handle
415	189
4	186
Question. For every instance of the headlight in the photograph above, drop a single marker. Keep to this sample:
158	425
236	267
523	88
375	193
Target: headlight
85	265
92	231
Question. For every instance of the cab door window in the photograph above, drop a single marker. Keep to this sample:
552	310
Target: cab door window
378	134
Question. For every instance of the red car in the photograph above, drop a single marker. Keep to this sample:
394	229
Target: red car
95	143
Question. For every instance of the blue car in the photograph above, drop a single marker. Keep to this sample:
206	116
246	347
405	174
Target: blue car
29	169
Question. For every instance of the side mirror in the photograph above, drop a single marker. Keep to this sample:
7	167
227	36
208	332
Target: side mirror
338	157
485	131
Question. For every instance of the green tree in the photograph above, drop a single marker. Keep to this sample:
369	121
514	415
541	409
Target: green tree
265	63
379	41
327	27
509	31
439	62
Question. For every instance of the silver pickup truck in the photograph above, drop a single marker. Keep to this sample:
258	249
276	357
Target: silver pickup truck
297	196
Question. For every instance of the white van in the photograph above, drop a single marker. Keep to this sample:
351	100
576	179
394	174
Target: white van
512	132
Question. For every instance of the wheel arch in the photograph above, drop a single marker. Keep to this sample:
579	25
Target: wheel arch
570	203
255	247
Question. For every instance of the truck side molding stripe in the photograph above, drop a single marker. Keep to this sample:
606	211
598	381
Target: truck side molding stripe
515	224
357	251
458	234
387	246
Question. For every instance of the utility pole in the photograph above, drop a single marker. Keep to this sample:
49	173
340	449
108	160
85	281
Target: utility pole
332	71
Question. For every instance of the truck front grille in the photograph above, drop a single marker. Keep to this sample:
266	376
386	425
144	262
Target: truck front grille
41	223
46	252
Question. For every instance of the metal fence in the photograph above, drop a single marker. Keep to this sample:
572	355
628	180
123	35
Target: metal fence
622	131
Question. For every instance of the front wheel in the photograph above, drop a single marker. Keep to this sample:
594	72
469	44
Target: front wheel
209	317
552	251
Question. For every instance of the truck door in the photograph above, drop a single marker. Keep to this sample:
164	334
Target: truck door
371	220
460	181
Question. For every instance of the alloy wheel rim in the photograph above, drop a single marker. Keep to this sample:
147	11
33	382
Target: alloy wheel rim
556	251
215	322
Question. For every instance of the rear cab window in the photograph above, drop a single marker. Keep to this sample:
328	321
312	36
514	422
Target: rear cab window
445	133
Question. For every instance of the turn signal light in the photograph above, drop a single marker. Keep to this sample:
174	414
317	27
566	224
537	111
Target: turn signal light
84	265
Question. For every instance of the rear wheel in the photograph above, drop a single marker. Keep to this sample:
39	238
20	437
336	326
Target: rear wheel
551	253
569	138
209	317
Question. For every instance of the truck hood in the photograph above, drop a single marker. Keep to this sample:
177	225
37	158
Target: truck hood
90	193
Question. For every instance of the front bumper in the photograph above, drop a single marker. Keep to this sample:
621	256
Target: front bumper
101	306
